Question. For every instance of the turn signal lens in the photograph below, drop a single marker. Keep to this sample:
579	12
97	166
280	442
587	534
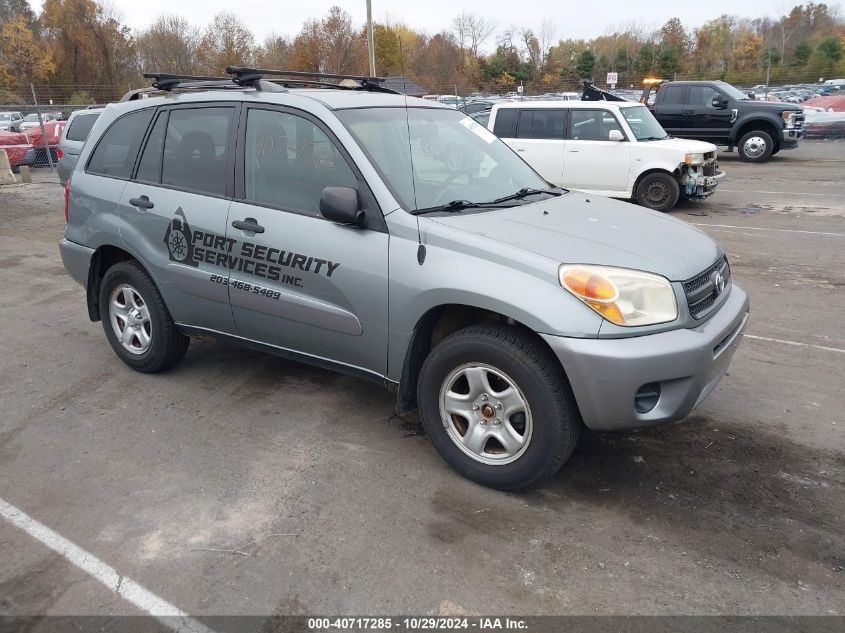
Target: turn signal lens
622	296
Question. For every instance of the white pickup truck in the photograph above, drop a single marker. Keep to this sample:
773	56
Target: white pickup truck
614	149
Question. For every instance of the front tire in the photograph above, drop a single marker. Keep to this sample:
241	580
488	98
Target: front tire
755	146
136	322
497	407
658	191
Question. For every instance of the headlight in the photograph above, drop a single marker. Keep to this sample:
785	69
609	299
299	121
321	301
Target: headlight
694	159
622	296
789	117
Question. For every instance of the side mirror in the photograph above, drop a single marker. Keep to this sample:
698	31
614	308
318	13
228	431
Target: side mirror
615	135
719	102
752	95
340	204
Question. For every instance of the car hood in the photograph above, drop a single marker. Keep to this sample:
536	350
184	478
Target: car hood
586	229
688	146
769	106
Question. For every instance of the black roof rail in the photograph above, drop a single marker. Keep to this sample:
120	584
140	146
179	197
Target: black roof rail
166	82
244	75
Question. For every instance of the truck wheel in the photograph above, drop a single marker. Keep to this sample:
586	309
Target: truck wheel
776	149
136	322
658	191
498	407
755	146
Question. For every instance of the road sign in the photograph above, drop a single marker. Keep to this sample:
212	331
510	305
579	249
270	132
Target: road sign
612	78
519	89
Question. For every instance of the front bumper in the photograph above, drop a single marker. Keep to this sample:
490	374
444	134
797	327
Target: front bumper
696	185
687	364
77	260
791	136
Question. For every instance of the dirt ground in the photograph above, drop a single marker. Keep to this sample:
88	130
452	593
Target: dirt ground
239	483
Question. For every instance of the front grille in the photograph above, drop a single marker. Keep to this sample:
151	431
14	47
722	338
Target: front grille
799	120
703	296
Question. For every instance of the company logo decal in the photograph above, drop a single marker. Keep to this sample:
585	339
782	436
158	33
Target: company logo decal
179	240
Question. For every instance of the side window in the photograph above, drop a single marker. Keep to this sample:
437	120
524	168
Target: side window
81	126
196	147
703	95
673	95
505	123
523	127
592	125
549	124
116	152
288	161
149	169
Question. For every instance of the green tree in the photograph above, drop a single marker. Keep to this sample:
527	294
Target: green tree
585	64
801	54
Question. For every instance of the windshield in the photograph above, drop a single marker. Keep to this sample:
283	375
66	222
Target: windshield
5	117
447	156
643	124
732	92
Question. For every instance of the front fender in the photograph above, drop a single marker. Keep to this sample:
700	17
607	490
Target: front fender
767	120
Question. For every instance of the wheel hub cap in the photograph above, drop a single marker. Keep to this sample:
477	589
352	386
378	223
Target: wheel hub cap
130	319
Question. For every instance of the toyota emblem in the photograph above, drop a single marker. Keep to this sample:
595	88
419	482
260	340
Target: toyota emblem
718	282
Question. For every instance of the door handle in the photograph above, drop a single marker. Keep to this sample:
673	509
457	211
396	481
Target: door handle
248	224
689	111
520	149
142	203
573	151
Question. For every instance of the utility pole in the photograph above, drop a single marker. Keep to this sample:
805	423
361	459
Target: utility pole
371	49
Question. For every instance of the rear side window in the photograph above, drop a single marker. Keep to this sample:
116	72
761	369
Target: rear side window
523	126
196	148
672	95
548	124
116	152
505	123
81	126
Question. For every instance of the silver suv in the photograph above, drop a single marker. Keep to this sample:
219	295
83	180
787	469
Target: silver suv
398	240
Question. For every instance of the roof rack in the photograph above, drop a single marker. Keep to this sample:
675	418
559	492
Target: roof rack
248	76
167	82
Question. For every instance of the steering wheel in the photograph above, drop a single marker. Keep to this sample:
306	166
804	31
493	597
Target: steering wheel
441	199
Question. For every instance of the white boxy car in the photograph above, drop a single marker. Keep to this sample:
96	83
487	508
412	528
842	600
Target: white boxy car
614	149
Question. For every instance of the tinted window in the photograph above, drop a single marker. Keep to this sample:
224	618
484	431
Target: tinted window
592	125
549	124
523	127
288	161
81	126
118	147
505	124
703	95
196	149
672	95
149	169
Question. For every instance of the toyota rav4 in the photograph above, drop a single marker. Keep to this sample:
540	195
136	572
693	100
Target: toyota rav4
399	240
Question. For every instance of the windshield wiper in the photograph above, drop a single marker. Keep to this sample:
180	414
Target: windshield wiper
451	207
524	193
655	138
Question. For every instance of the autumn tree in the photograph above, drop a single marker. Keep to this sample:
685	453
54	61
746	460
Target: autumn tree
226	42
274	52
22	58
170	44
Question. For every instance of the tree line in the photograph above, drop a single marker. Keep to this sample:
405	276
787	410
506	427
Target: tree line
80	51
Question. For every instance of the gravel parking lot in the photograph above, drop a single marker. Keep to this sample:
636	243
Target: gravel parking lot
240	483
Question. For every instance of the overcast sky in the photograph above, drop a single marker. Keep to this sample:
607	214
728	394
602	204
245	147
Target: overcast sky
573	19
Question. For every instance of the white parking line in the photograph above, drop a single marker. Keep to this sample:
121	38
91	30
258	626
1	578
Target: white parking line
796	343
783	193
127	588
758	228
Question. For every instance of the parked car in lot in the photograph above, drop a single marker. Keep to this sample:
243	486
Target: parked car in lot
18	148
716	112
9	121
400	241
73	137
614	149
31	121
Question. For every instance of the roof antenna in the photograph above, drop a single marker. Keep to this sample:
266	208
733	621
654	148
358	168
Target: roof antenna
421	252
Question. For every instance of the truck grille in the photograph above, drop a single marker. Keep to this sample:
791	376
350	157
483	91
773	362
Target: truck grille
703	295
799	120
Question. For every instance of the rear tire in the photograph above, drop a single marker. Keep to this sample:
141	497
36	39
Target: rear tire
658	191
755	146
506	386
137	323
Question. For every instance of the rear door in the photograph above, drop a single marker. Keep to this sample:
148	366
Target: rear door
540	140
672	110
174	211
299	281
592	161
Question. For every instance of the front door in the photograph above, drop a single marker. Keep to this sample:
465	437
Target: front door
176	208
299	281
591	160
710	122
